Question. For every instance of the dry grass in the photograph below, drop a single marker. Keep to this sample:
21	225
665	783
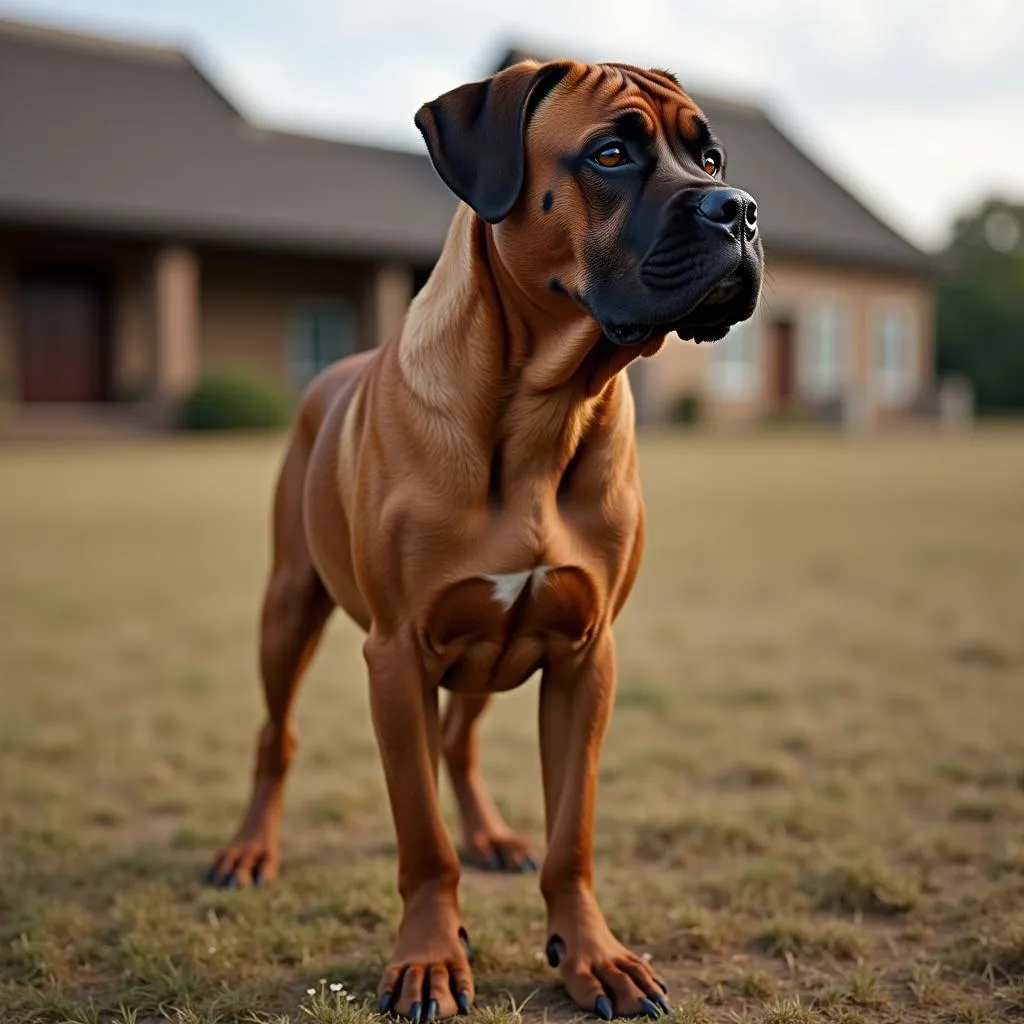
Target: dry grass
812	801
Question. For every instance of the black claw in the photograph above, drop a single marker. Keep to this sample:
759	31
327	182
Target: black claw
386	1002
464	939
649	1008
414	1013
528	865
493	863
229	883
210	878
662	1002
603	1008
662	985
431	1010
553	952
462	1002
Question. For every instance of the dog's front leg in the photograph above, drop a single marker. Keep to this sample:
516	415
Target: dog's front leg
576	700
428	975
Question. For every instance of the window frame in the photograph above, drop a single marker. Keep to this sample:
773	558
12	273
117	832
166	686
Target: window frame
899	387
737	380
313	361
813	383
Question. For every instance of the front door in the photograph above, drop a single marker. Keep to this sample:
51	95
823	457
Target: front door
63	337
784	351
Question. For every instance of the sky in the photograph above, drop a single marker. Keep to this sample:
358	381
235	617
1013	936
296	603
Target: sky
917	105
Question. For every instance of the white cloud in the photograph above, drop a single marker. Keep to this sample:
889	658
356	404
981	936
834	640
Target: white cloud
909	168
973	37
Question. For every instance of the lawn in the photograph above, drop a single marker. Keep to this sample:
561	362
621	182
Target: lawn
812	796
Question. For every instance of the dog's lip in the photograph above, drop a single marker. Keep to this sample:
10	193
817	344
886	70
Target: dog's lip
717	296
627	334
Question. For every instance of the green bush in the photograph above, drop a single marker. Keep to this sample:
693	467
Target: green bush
235	398
688	408
980	308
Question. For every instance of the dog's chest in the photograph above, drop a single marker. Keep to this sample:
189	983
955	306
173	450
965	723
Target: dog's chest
490	632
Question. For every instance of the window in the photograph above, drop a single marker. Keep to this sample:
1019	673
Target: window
320	331
894	364
823	353
733	372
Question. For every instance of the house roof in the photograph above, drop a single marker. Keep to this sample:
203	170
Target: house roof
133	138
803	211
122	137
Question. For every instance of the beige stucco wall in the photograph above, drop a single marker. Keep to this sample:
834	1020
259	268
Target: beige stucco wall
387	292
790	289
175	310
134	344
246	300
175	293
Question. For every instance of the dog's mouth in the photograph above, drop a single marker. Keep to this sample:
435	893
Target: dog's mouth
725	303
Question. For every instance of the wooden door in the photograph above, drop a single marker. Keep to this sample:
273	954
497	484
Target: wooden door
784	346
63	338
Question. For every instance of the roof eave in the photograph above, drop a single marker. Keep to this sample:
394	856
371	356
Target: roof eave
176	229
919	265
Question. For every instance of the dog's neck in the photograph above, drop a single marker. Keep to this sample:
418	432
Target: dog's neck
495	362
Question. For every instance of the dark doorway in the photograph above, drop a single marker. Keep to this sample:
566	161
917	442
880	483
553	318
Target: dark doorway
783	354
63	330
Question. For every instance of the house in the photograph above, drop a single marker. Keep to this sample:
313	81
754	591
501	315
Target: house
148	230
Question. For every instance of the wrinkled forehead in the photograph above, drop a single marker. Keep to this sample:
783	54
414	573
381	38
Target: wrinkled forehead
616	99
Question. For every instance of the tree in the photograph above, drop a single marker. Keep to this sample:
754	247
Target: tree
981	305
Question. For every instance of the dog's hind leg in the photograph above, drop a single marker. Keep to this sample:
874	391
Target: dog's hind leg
487	841
295	609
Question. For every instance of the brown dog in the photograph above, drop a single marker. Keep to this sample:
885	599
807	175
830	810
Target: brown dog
468	493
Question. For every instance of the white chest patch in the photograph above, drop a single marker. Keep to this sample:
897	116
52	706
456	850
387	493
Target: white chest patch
509	585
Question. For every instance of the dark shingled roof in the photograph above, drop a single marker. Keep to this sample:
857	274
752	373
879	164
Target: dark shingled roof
132	138
803	211
121	137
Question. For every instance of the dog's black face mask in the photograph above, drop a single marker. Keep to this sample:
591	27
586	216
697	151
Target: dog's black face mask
606	182
678	249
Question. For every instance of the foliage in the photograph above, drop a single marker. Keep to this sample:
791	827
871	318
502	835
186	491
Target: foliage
235	398
688	408
981	305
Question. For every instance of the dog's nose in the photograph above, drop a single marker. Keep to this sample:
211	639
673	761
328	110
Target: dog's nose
733	208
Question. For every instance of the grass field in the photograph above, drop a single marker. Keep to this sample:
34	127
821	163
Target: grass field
812	802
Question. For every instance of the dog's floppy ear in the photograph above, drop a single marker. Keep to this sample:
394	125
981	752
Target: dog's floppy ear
475	134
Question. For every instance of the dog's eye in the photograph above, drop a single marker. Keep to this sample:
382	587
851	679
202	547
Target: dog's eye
610	156
712	162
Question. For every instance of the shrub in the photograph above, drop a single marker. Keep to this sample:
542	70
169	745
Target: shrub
235	398
687	408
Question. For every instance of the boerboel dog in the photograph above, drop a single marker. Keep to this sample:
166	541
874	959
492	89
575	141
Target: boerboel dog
468	492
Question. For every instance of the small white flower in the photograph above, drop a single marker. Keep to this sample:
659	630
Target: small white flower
212	950
538	956
350	998
336	986
646	956
310	991
323	981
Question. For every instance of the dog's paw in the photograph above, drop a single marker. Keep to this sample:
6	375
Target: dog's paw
244	863
506	853
428	985
604	977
